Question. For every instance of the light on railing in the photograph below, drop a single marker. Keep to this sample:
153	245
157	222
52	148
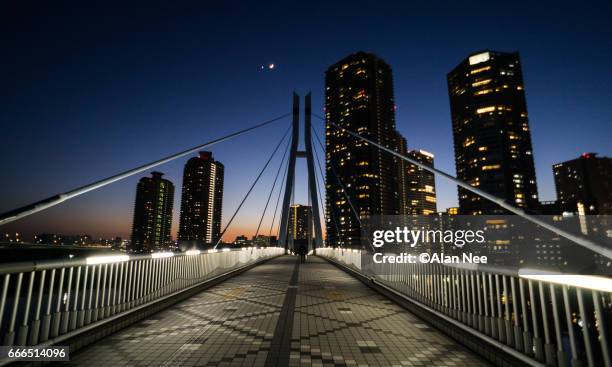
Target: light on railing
583	281
192	252
225	249
212	250
159	255
106	259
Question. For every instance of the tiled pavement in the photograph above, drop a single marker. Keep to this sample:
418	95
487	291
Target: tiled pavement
332	318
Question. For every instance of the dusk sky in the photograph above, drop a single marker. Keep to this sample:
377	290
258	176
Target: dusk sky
90	91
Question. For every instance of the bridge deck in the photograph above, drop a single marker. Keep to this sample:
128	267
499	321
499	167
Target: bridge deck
281	313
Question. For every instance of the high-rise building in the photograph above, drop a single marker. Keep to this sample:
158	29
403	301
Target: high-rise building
152	214
299	217
402	177
491	132
201	201
584	184
359	97
421	184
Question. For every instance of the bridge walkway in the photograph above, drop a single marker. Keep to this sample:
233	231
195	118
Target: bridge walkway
281	313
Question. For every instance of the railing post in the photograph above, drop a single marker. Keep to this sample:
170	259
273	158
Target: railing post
46	321
127	298
560	352
585	328
89	311
518	340
527	340
22	335
74	315
501	333
102	311
56	317
549	350
35	327
80	317
481	315
65	315
537	340
603	339
9	338
494	325
118	300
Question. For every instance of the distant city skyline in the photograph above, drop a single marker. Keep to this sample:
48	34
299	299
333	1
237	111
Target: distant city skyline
90	99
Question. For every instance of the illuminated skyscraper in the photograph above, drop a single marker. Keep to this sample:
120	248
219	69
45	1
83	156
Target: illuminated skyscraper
421	184
584	184
152	214
201	201
491	132
299	217
359	97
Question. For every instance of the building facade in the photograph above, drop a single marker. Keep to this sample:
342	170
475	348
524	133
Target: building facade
421	184
359	97
491	134
584	184
299	218
152	214
402	177
201	201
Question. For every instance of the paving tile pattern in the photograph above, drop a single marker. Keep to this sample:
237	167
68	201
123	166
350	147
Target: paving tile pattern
341	322
336	321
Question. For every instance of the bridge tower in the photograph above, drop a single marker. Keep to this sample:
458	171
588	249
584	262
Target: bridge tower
284	241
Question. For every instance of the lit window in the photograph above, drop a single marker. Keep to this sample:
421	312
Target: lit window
468	141
485	109
485	68
483	91
478	58
491	167
481	82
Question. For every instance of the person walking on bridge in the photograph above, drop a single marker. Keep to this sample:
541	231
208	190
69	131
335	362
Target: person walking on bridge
302	252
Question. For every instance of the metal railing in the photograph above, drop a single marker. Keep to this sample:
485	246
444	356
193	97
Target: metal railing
543	318
40	301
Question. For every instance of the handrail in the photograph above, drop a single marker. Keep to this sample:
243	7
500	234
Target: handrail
552	320
67	295
26	266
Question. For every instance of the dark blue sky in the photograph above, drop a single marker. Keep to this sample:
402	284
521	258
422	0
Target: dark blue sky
90	91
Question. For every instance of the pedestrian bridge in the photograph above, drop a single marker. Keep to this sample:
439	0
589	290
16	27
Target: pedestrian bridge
258	306
281	313
261	307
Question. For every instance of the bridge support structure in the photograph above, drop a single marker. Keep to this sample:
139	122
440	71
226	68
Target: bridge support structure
285	240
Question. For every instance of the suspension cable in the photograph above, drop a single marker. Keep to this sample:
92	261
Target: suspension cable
280	191
318	184
331	213
595	247
252	187
38	206
348	198
280	166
